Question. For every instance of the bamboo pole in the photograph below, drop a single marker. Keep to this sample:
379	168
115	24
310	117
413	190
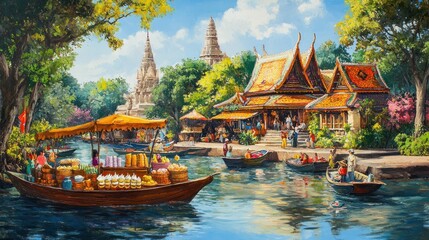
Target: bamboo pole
151	151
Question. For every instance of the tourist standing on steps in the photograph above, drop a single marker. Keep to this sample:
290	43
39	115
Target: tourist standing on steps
294	139
284	135
351	164
259	128
288	122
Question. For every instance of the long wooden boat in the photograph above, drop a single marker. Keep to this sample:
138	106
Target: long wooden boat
295	164
139	145
169	146
178	192
65	152
163	154
200	151
242	162
360	186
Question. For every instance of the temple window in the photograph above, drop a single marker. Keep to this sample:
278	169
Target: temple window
333	120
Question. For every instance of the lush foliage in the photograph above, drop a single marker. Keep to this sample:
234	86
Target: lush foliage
19	143
328	52
79	116
393	30
56	105
408	145
247	138
104	96
169	95
220	83
29	29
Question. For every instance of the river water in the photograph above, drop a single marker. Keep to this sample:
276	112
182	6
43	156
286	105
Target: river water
269	202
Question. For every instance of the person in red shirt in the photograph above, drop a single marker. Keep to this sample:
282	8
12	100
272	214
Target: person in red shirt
312	139
225	147
41	159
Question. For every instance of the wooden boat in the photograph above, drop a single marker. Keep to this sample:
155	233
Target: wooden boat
295	164
200	151
360	186
178	192
65	152
163	154
139	145
242	162
169	146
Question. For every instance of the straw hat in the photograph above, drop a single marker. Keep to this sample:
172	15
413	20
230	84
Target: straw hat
226	140
351	150
342	163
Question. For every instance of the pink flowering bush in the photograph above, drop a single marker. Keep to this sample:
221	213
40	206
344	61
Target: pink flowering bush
80	116
402	110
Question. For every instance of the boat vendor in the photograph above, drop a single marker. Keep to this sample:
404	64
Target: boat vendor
351	164
304	158
229	153
95	158
342	171
41	159
225	147
248	154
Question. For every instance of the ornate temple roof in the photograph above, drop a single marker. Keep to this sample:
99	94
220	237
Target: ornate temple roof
334	101
211	52
238	115
357	77
279	73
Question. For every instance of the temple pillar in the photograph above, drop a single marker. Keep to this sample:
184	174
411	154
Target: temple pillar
353	119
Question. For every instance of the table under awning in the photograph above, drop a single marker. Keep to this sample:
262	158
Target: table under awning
234	115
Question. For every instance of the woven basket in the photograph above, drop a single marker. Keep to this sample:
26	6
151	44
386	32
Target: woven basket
156	166
47	170
78	172
78	186
161	178
47	176
179	176
64	172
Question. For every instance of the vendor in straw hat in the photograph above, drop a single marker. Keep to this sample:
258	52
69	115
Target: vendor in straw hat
342	170
351	164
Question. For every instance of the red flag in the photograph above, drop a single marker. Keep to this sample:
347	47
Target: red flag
23	119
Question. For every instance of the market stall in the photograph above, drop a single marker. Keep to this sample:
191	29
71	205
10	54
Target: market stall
192	124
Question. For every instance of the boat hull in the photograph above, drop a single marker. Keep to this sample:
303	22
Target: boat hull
241	162
312	167
178	192
65	153
354	188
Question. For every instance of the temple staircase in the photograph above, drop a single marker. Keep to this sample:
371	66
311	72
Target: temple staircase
273	138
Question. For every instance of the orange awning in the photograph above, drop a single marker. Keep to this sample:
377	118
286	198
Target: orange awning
194	115
109	123
234	115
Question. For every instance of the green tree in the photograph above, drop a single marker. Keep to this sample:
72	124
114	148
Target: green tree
393	28
169	95
46	25
220	83
328	52
56	105
104	96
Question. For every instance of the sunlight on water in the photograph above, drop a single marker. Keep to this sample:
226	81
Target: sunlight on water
269	202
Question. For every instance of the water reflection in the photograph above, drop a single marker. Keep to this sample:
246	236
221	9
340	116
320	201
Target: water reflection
269	202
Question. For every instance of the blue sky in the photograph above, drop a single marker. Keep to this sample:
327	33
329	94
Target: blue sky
241	24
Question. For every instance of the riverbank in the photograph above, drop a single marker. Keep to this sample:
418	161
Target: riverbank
384	164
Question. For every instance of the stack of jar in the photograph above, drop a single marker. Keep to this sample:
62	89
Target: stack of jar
113	161
136	160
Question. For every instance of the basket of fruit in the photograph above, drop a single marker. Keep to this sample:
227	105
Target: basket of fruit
147	181
159	162
178	173
46	168
161	176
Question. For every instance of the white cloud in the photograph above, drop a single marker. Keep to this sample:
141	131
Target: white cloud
311	9
181	34
251	17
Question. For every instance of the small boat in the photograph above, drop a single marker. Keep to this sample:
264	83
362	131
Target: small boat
200	151
139	145
169	146
65	152
242	162
295	164
177	192
123	151
360	186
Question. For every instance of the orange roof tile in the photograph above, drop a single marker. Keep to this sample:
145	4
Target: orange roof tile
234	115
295	100
257	101
269	73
